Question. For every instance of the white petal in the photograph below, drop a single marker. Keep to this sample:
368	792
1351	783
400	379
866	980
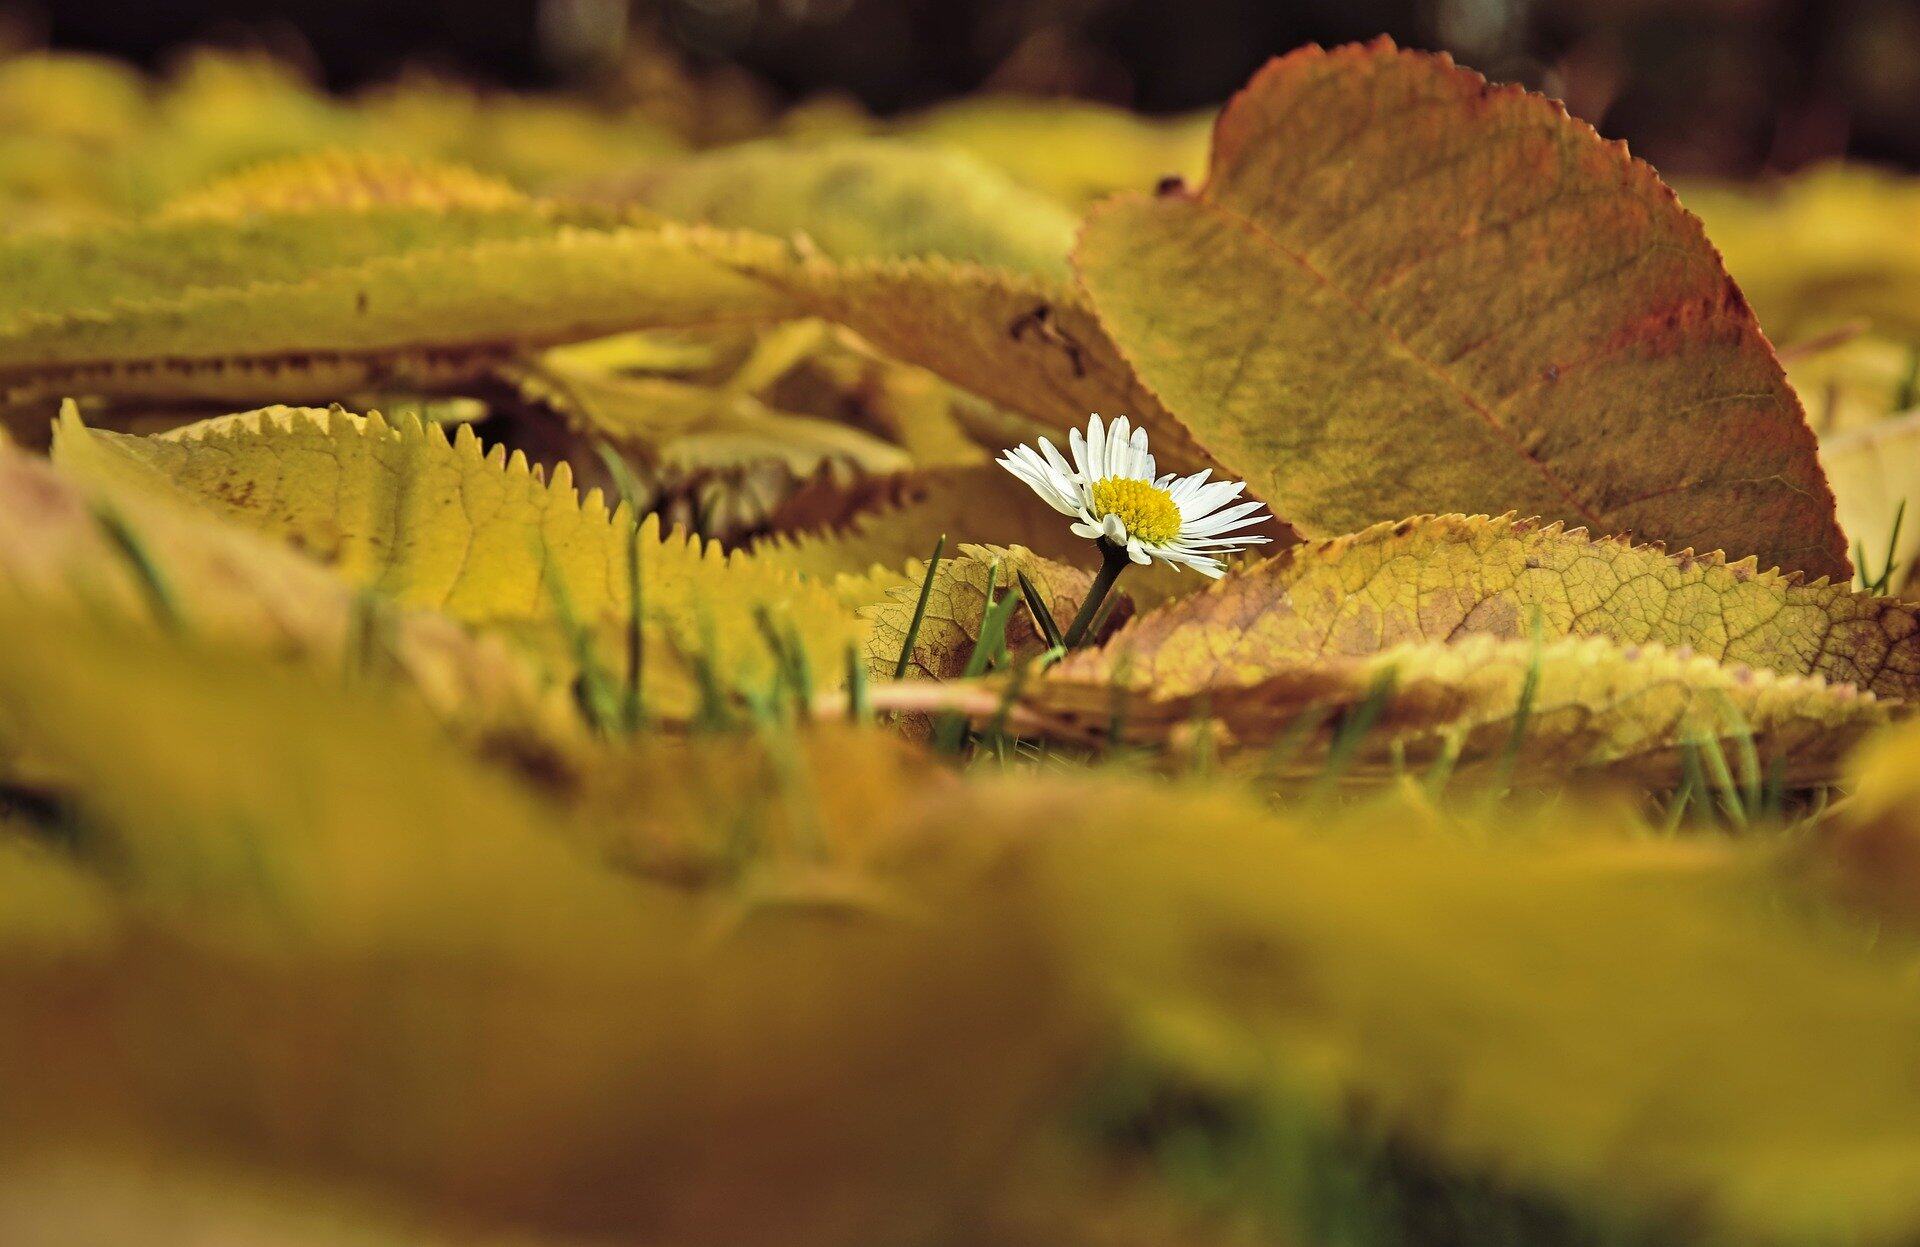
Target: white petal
1041	479
1205	564
1186	487
1220	543
1139	463
1220	521
1210	498
1057	461
1113	528
1120	448
1096	450
1077	443
1090	531
1138	553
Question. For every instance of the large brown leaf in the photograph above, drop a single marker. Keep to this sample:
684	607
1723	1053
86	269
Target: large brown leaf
1402	290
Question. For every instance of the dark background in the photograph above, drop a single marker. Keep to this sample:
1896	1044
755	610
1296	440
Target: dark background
1697	86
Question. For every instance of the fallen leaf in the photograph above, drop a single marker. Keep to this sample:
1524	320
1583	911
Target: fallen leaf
1402	289
1436	578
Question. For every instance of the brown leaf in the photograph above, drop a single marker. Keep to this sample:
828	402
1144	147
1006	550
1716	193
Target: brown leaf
1403	289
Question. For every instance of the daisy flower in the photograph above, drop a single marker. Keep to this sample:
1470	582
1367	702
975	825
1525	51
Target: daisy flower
1111	490
1113	495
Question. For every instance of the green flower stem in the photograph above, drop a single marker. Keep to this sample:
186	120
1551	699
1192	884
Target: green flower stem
1116	562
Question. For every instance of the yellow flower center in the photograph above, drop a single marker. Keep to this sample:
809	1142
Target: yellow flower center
1147	510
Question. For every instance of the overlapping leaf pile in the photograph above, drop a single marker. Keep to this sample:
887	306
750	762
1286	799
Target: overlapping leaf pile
529	715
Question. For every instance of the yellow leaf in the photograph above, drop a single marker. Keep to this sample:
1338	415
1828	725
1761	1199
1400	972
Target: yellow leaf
538	143
1816	251
1852	383
1435	578
1875	472
1868	850
253	595
345	180
807	818
983	504
315	301
53	908
862	198
1402	289
1075	151
274	804
484	539
1546	711
345	948
1642	1025
86	99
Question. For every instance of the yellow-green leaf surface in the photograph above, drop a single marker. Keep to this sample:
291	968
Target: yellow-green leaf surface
1848	380
1402	289
424	988
861	199
1642	1025
253	595
345	180
1867	852
1441	577
1075	151
53	907
1547	711
822	802
483	538
268	800
1833	245
1875	473
244	298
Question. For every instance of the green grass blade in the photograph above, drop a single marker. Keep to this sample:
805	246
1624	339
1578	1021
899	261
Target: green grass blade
1522	713
154	584
633	708
1042	617
593	688
859	709
1354	727
920	610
